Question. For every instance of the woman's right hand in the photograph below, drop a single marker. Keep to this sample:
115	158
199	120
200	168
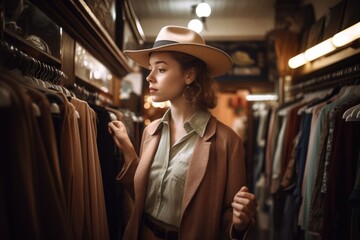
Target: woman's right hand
121	138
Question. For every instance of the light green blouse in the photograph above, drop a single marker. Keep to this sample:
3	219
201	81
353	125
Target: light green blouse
169	167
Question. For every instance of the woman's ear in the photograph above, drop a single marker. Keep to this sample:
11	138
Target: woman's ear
190	76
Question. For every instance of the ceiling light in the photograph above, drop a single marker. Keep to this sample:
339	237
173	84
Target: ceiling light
330	45
297	61
261	97
319	50
347	36
196	25
203	10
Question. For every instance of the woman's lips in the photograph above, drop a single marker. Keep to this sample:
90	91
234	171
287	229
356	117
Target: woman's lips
152	90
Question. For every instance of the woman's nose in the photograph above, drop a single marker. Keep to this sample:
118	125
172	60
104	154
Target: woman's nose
150	78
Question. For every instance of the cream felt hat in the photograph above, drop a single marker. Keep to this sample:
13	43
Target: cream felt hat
182	39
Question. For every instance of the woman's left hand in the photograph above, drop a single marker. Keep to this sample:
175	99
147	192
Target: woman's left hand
244	208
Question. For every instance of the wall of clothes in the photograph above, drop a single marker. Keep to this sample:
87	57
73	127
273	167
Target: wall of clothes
307	169
59	162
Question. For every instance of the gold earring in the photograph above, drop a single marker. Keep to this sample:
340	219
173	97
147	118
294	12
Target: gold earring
187	94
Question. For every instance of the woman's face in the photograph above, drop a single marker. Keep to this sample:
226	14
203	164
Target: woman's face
166	79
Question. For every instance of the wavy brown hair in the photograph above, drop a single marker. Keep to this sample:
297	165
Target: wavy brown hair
203	89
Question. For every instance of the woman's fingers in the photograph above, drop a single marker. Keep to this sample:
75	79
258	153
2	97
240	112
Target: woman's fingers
244	208
241	208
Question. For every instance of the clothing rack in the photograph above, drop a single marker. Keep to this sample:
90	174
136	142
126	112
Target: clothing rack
13	58
83	93
346	76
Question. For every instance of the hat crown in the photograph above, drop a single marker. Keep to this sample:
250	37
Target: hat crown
179	35
181	39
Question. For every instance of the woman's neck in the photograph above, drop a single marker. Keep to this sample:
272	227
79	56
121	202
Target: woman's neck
181	113
178	117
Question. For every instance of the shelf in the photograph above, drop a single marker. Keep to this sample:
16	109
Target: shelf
30	50
342	58
92	87
79	22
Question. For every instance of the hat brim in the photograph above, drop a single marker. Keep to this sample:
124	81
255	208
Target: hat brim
217	61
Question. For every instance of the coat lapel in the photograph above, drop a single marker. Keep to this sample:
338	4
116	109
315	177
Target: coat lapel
196	169
141	176
198	164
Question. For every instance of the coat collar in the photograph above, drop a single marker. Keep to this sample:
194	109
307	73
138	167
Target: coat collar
156	125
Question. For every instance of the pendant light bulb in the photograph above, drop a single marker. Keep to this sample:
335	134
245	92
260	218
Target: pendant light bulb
203	10
196	25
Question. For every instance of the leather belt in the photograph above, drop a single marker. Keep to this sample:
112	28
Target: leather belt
160	231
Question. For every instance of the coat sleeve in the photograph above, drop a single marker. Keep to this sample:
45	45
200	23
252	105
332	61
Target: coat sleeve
236	178
126	175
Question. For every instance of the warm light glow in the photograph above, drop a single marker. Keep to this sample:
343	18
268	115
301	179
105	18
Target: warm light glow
104	89
97	74
161	104
347	36
297	61
261	97
319	50
147	121
196	25
338	40
147	105
203	10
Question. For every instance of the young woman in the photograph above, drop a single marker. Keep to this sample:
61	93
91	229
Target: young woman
189	180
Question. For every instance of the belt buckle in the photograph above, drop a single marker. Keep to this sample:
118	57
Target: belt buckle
160	232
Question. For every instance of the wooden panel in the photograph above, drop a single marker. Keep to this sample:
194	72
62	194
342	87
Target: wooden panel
67	57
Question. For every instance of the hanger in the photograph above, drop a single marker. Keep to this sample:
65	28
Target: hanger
5	97
77	114
36	109
354	115
54	108
112	116
348	112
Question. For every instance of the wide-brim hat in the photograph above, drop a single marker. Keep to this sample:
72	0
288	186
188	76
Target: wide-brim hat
185	40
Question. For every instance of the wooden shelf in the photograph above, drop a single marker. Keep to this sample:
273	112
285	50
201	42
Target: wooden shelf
346	56
79	22
30	50
92	87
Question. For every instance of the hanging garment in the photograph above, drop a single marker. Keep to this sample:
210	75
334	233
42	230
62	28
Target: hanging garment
34	198
96	226
49	190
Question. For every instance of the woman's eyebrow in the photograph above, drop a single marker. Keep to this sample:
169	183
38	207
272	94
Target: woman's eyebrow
160	61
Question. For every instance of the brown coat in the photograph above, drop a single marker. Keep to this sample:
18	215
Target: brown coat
216	173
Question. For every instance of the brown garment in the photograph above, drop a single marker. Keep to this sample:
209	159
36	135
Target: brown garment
34	197
94	201
72	168
50	192
216	173
16	169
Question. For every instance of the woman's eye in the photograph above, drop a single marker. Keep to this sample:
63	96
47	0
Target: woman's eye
161	70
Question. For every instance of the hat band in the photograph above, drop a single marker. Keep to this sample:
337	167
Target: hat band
163	43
